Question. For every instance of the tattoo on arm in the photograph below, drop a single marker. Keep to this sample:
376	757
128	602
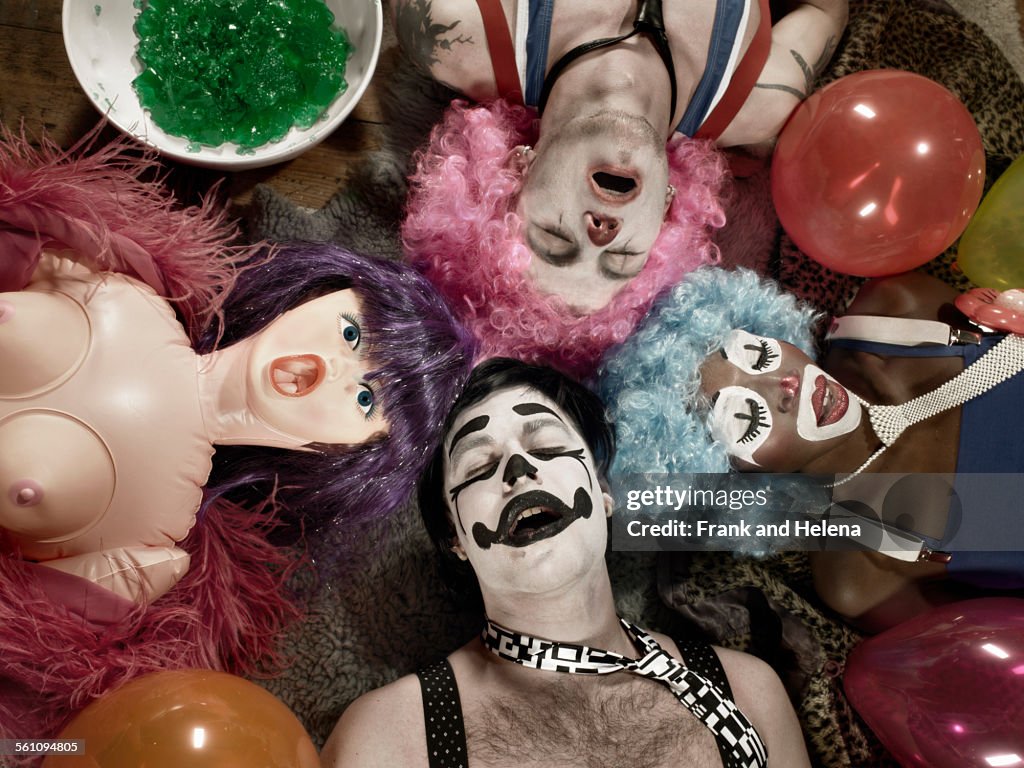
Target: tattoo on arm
810	73
420	37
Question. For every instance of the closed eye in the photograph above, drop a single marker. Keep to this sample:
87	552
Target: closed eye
547	453
765	355
621	264
479	471
552	245
756	419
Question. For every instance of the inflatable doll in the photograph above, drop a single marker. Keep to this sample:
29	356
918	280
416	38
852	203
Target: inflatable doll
112	419
464	231
713	381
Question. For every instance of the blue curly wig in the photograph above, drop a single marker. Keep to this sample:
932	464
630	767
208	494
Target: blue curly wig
650	383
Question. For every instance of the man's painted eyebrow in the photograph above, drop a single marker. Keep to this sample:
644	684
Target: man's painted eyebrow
529	409
473	425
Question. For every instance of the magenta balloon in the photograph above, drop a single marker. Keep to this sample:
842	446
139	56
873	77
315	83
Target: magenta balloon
878	172
946	688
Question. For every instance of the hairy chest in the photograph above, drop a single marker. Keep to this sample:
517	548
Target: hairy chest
588	723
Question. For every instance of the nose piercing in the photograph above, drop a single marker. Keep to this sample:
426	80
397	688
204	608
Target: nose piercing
601	229
517	467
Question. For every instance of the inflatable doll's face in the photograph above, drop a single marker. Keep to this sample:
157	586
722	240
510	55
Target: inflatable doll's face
772	408
592	204
307	374
524	493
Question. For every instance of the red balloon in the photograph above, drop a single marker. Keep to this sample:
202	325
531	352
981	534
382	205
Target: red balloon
878	172
946	688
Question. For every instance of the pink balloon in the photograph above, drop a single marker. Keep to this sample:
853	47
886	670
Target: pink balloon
946	688
878	172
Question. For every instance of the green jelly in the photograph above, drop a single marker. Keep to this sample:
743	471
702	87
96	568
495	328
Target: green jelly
241	71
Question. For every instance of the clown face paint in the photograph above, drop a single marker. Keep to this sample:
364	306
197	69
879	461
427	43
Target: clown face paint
522	486
592	204
772	408
752	354
740	420
826	408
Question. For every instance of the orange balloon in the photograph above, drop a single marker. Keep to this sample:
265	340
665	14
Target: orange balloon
878	172
188	719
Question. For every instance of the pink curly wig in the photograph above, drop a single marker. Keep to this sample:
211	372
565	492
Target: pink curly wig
461	229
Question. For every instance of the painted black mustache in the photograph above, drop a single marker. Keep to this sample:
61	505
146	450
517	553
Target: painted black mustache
582	506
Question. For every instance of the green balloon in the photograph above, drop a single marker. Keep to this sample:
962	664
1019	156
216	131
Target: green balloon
991	251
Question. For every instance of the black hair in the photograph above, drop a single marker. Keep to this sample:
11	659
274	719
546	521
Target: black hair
499	373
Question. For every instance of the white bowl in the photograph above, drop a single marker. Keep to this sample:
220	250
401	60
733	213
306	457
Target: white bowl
100	41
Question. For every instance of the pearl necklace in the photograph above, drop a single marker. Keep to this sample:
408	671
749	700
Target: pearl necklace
1004	361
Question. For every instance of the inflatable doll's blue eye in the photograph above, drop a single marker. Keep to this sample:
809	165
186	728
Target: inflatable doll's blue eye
365	400
349	330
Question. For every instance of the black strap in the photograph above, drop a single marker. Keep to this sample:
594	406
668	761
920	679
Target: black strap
702	659
442	716
699	656
648	21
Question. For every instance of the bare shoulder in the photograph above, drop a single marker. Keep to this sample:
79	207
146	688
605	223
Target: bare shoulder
380	729
759	694
446	39
911	295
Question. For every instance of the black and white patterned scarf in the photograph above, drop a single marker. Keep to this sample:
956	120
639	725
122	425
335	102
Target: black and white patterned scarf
695	692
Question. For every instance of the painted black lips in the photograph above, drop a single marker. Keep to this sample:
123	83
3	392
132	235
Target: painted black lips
546	515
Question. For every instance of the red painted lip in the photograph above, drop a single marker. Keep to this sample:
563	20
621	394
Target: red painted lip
297	375
608	196
838	401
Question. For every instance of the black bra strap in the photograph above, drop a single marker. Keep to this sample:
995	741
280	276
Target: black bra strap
648	21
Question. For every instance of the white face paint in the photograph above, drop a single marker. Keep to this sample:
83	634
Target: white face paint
752	354
826	408
741	421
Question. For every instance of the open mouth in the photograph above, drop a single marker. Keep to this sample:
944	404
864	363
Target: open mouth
296	375
830	401
615	185
533	516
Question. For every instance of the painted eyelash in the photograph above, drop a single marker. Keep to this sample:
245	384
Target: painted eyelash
755	418
765	354
487	472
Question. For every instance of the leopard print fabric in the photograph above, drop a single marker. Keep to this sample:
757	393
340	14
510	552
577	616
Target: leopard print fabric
768	608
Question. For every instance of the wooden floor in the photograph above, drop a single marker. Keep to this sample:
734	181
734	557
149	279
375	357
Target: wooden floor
39	91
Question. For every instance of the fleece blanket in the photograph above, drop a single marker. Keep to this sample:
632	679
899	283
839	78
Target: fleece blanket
382	610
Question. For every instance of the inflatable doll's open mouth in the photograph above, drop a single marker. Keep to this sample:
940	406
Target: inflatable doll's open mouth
297	375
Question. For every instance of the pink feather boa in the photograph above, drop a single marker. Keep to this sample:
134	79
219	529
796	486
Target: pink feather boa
98	202
233	604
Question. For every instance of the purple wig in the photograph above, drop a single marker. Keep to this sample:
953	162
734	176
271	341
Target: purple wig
462	230
420	357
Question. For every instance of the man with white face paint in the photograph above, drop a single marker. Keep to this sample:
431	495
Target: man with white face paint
516	498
